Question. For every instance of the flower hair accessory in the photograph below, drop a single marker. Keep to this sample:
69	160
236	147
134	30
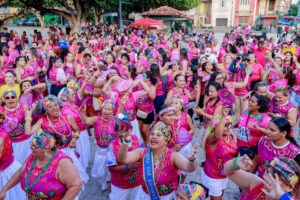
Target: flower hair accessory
47	100
9	92
161	127
179	98
64	93
168	109
44	140
289	174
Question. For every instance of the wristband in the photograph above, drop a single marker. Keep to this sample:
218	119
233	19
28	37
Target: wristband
234	164
128	143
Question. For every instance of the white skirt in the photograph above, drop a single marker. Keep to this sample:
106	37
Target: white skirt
185	151
83	148
100	169
136	130
5	175
122	194
22	150
144	196
83	175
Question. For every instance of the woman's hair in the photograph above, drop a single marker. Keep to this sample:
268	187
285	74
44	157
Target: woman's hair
195	75
284	125
212	80
233	49
39	109
218	87
184	54
258	85
112	55
17	60
149	74
177	76
204	65
293	165
165	58
58	139
52	60
126	56
154	68
132	70
291	62
262	102
34	53
12	72
285	91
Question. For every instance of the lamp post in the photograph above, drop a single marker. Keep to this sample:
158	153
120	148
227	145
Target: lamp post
120	13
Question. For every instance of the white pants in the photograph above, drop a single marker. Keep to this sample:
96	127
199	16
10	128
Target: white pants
22	150
122	194
144	196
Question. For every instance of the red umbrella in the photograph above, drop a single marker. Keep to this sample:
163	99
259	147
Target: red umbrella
291	18
147	22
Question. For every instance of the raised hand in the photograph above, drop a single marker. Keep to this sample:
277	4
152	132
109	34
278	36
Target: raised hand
193	152
272	187
244	162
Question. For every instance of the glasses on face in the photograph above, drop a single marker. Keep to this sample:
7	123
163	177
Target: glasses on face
10	97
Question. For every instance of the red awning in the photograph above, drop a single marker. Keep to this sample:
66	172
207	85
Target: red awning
270	17
291	18
147	22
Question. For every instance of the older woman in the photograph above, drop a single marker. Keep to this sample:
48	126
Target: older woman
57	123
105	133
283	170
15	115
47	173
160	166
8	167
280	106
67	95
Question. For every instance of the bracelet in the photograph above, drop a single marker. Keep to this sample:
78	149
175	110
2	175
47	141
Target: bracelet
126	168
28	118
234	164
128	143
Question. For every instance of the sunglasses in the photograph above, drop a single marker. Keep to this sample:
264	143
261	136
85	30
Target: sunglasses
10	97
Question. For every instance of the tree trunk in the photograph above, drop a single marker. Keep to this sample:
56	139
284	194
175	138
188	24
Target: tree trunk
42	21
76	25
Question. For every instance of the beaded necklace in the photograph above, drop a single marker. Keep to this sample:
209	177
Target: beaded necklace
28	187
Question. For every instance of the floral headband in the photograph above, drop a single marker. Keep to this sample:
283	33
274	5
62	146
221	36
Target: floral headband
47	100
228	119
179	98
289	174
9	92
44	140
164	129
73	84
108	102
168	109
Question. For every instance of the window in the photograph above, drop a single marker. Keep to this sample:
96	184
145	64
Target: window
243	20
271	5
222	3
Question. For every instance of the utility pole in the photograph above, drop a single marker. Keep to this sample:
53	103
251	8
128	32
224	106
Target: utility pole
120	16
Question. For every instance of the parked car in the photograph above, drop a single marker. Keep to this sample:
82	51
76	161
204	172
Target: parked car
21	22
32	22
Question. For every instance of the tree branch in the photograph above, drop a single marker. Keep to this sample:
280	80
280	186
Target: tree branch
21	13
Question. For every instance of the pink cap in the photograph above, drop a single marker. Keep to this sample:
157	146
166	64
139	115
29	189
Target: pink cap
123	85
11	43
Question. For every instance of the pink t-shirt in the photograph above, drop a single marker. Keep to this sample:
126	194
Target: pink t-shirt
260	55
257	69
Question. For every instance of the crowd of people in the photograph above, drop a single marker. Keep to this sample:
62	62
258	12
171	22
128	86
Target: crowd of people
146	97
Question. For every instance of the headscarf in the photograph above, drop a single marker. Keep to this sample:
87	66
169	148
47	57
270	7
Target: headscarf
108	102
168	109
43	103
287	172
195	191
9	92
164	129
44	139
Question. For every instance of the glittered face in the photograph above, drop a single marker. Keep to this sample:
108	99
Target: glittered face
73	85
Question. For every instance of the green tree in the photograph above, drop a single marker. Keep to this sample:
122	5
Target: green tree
293	10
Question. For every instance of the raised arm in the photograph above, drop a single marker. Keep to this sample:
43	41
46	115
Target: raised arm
88	120
188	164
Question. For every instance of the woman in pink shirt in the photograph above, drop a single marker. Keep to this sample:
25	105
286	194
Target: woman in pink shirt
257	69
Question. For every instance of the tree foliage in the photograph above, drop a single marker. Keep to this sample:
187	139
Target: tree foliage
293	10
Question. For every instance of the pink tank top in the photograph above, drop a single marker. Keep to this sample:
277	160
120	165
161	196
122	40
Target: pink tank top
49	186
18	134
216	159
145	103
167	181
70	70
159	88
129	107
7	156
75	112
210	109
130	179
104	132
53	75
61	126
267	152
28	72
170	82
240	77
247	135
281	109
296	86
